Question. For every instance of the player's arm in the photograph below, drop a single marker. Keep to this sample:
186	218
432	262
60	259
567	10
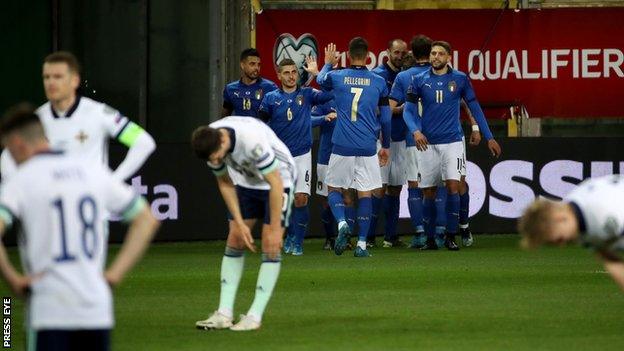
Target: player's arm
470	98
140	146
264	111
228	106
276	202
324	78
18	283
142	228
475	135
614	266
412	120
397	110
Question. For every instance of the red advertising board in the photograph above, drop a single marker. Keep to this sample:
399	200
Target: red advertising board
556	62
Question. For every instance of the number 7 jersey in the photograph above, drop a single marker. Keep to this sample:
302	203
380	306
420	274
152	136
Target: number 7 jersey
62	203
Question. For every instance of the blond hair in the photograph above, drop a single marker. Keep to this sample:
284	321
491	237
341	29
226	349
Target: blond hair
535	223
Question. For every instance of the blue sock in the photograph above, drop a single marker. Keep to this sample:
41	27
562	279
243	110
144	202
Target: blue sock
440	207
337	205
464	208
302	217
452	213
364	210
415	205
429	215
350	212
290	230
328	222
376	203
391	212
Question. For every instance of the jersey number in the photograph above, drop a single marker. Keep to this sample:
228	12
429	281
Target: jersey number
87	211
439	96
354	103
246	104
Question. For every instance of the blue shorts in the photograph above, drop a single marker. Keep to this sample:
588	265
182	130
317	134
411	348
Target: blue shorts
83	339
254	204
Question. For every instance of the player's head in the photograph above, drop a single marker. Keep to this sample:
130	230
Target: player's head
358	49
250	63
61	76
547	222
440	54
421	47
408	61
287	73
22	133
210	144
397	49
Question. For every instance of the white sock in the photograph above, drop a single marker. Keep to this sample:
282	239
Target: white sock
231	273
362	245
267	278
463	226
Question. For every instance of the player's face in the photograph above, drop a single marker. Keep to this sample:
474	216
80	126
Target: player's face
439	58
397	53
564	226
288	75
59	82
251	67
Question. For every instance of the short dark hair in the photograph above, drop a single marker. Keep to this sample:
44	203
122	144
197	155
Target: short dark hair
249	52
64	57
443	44
21	118
285	62
358	48
421	46
205	141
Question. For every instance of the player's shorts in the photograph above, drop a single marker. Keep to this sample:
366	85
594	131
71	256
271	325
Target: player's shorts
254	204
395	173
358	172
321	174
412	171
441	162
463	170
82	339
304	167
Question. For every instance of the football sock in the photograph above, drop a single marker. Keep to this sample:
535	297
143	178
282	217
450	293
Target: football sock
350	212
429	215
364	217
440	208
328	222
231	272
376	210
415	206
391	212
452	213
302	217
464	209
337	205
267	278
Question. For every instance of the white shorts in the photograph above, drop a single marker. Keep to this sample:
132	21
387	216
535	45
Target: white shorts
358	172
463	170
321	174
304	167
395	173
441	162
413	172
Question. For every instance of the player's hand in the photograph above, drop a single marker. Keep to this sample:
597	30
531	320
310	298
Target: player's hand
20	285
330	54
384	156
112	278
311	66
331	116
475	138
421	140
495	149
244	234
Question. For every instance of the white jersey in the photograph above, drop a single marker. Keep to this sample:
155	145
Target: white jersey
84	130
61	202
599	204
256	151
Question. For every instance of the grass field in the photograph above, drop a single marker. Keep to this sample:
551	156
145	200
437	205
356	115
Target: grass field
489	297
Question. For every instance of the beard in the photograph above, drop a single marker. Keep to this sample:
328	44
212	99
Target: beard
438	65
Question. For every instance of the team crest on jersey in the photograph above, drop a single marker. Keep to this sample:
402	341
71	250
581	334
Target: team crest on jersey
82	136
452	86
299	100
297	49
257	151
259	94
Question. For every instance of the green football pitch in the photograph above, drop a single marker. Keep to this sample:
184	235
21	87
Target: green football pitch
492	296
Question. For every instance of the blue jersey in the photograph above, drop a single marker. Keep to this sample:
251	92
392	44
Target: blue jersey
358	93
288	114
398	124
243	99
327	130
399	91
441	96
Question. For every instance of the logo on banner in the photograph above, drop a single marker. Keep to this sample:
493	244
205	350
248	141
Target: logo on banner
286	46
